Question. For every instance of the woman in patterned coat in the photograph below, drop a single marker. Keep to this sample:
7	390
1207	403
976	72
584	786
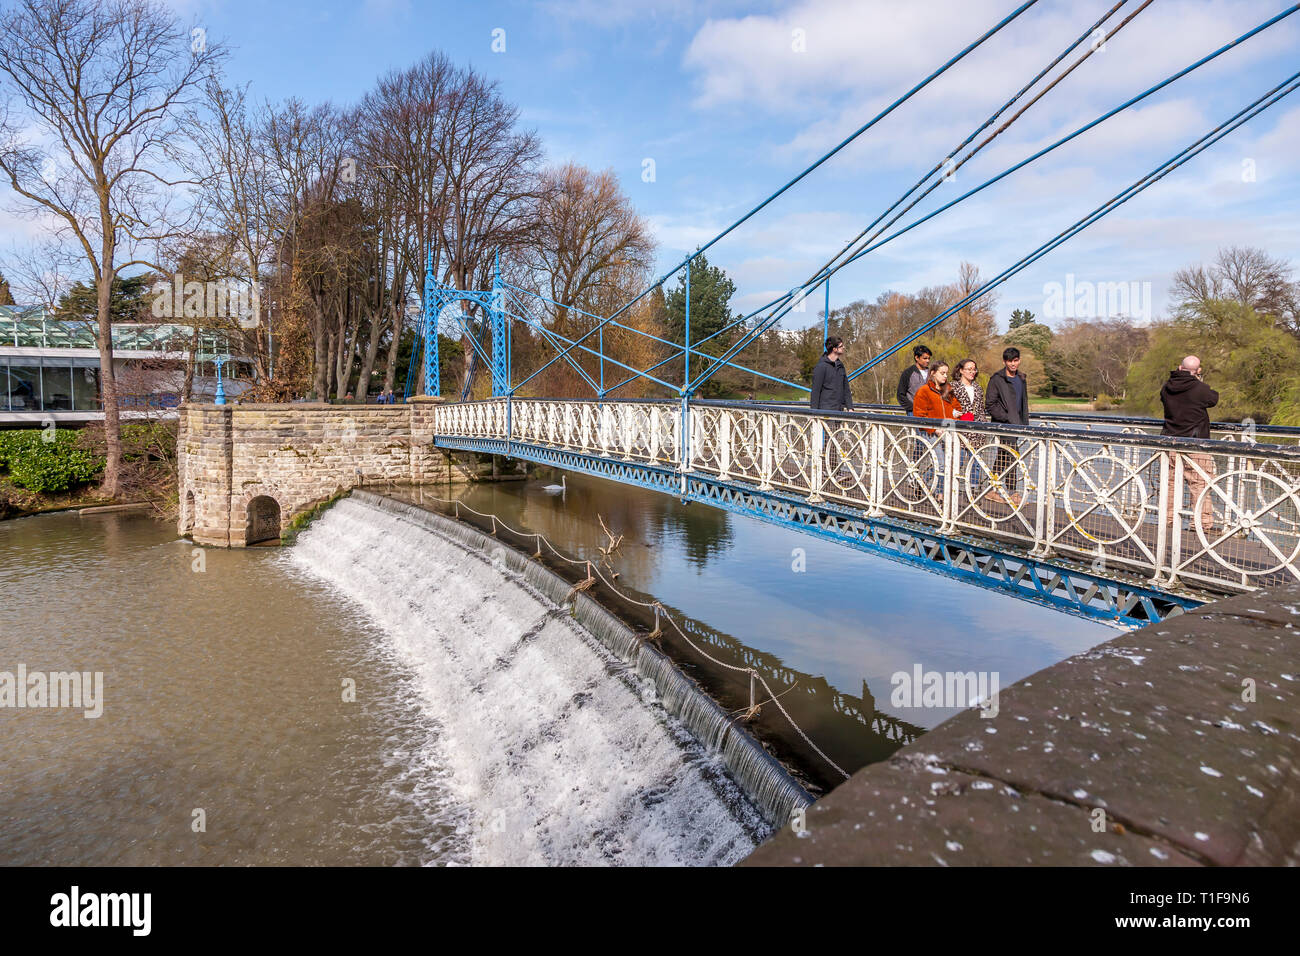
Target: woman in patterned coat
971	399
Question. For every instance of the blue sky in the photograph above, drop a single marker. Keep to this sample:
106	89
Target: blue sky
718	96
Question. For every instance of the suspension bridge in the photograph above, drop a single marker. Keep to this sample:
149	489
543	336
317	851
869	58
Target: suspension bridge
1108	521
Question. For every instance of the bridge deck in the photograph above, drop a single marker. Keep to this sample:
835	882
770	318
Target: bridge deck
1128	528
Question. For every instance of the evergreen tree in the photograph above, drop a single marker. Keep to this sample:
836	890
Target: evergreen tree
711	292
1021	317
6	296
129	302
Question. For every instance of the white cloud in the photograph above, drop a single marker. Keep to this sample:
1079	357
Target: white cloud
860	57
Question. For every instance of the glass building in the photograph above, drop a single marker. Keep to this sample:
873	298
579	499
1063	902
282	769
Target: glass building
52	365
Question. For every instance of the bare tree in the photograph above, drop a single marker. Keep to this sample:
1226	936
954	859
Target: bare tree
241	189
104	82
308	150
587	233
42	272
491	181
974	324
1242	274
1092	357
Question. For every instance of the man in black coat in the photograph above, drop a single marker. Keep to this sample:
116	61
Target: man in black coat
830	384
1187	401
913	378
1007	401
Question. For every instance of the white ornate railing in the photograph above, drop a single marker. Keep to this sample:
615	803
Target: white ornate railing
1218	515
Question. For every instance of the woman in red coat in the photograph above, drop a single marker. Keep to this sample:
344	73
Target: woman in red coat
936	399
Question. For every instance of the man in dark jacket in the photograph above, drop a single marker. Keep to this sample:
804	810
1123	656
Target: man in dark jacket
913	378
1187	400
830	383
1007	402
1007	397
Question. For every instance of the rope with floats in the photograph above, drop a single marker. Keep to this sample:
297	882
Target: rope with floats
660	614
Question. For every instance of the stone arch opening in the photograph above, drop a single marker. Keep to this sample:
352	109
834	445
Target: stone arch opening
263	522
188	516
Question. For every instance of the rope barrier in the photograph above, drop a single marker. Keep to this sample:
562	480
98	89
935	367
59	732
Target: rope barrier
594	575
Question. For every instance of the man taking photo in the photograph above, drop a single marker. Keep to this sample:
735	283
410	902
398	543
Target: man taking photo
1187	401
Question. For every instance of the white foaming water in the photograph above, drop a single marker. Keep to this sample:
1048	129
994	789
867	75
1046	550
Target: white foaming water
556	753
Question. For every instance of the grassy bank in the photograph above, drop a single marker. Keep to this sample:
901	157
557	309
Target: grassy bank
1056	404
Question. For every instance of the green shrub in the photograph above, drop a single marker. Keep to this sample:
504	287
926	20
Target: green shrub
46	462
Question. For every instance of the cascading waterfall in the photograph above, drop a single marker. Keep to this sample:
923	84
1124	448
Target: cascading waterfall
567	739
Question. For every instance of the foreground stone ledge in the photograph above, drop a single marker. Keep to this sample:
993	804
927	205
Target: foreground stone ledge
1150	728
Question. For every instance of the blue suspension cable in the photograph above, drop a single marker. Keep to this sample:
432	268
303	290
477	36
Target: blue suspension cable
766	323
858	132
942	164
1182	156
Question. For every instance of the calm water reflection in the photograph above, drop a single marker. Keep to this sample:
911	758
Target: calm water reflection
840	628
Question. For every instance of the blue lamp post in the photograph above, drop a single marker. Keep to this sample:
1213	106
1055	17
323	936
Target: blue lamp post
220	398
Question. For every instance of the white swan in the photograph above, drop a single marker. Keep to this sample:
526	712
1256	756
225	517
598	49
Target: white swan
556	489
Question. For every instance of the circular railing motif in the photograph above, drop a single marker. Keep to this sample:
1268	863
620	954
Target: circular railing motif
985	485
912	467
846	466
1268	521
1100	485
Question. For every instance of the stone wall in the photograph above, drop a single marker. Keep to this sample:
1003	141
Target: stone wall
297	455
1173	745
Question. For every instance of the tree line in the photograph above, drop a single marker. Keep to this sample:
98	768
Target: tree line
1240	313
118	126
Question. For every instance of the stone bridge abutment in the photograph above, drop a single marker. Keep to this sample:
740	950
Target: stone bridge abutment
245	471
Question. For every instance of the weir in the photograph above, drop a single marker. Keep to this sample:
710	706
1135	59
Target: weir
541	693
762	778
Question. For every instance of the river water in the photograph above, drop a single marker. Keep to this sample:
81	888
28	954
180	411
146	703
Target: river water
231	733
830	626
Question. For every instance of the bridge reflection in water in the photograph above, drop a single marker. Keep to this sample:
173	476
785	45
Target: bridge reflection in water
828	638
1122	527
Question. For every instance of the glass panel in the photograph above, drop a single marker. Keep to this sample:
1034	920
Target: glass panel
31	334
24	388
56	388
76	335
85	389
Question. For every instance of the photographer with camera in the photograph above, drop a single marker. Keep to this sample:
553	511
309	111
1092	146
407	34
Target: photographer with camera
1187	401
